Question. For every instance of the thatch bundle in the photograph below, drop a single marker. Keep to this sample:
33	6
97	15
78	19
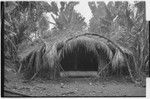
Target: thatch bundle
109	56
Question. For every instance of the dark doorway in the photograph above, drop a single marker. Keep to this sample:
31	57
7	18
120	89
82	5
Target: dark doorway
79	59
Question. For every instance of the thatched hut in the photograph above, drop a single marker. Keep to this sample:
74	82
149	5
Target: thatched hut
81	52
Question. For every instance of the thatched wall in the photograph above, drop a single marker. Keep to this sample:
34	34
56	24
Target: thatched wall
110	57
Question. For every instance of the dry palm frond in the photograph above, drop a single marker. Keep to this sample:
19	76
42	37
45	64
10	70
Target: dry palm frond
104	47
90	43
117	59
84	41
32	63
52	55
110	56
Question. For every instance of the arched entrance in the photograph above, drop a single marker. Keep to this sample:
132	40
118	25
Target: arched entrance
79	59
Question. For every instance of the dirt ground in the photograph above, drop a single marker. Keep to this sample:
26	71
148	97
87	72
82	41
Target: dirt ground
76	84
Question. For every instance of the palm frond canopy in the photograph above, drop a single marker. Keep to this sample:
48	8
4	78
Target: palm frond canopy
107	55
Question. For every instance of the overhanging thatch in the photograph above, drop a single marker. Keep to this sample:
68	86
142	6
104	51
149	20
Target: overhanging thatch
110	56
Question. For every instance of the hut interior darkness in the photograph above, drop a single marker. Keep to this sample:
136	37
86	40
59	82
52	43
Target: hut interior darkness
79	59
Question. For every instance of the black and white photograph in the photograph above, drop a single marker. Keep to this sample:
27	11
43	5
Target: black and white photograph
74	48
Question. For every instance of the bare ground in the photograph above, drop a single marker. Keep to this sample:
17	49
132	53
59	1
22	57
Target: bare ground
75	84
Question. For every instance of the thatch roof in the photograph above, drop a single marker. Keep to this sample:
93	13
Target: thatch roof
110	56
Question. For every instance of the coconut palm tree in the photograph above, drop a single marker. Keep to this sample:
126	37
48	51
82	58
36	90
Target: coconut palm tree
20	20
128	27
67	17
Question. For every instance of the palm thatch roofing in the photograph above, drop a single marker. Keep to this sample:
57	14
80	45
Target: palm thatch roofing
46	60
